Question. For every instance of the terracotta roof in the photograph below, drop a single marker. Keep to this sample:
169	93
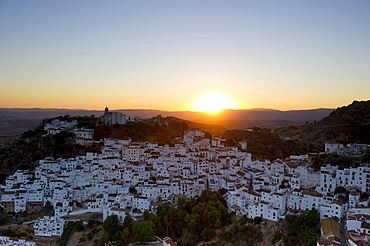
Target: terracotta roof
329	228
324	242
338	202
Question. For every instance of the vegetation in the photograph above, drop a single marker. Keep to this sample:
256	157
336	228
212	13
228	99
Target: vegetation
88	122
12	233
302	230
340	190
48	209
68	231
31	147
247	232
18	232
152	131
341	161
349	124
188	223
267	145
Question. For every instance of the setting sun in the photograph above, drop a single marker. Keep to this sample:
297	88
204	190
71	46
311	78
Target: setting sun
213	103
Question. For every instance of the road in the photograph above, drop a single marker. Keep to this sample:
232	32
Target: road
343	232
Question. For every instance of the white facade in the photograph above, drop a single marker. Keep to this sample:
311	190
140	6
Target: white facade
58	125
141	203
120	212
6	241
112	118
49	227
255	188
331	148
84	136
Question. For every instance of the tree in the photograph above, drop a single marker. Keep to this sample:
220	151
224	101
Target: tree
125	234
110	224
343	162
48	208
207	233
193	226
103	240
128	221
187	238
146	214
340	190
181	202
143	231
304	229
218	224
212	216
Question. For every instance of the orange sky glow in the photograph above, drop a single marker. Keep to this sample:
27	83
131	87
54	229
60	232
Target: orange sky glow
170	55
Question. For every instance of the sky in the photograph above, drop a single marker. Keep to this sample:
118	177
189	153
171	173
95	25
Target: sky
277	54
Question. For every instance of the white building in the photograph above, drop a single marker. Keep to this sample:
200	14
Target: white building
56	126
353	150
120	212
331	148
6	241
84	136
264	210
112	118
328	181
49	227
335	208
304	200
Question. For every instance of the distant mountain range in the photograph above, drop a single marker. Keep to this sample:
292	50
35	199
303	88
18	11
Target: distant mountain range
243	114
345	124
17	120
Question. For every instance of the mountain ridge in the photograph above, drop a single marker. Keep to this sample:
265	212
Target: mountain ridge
245	114
28	118
346	124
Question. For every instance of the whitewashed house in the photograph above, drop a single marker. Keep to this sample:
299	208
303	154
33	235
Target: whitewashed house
49	227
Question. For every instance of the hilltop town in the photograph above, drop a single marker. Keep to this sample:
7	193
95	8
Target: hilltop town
127	178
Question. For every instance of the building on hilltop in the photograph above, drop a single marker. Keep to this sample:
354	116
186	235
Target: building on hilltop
112	118
56	126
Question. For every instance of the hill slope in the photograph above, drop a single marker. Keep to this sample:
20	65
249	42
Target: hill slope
346	124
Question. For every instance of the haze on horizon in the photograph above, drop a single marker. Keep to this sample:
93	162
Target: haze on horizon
166	55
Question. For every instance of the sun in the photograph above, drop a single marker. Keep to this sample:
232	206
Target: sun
213	103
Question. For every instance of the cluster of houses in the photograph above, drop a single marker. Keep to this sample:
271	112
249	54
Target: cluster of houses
350	150
6	241
358	225
57	126
84	136
131	177
81	135
49	226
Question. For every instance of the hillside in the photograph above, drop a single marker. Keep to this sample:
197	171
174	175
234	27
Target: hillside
214	129
22	152
264	144
244	124
345	125
15	126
